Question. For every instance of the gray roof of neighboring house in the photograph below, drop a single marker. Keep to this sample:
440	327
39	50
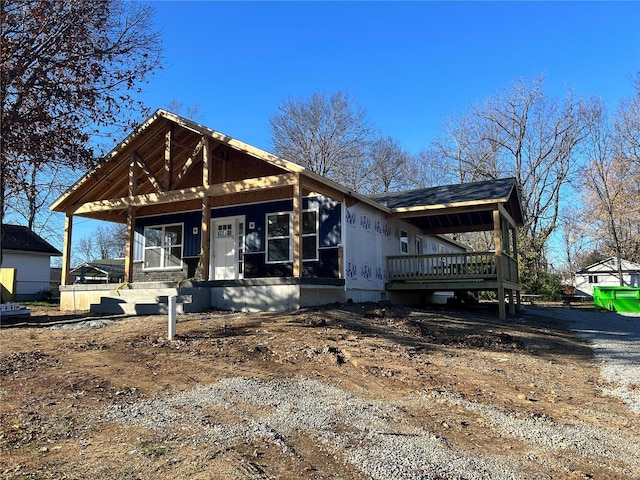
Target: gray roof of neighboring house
103	266
20	238
609	265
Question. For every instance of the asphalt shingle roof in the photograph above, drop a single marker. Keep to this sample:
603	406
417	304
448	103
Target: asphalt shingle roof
18	237
448	194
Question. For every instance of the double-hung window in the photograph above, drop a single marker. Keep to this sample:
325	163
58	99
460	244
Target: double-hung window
279	238
310	235
163	247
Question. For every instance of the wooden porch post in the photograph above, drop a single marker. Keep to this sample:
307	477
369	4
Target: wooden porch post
515	257
66	249
131	213
497	239
205	234
297	228
128	259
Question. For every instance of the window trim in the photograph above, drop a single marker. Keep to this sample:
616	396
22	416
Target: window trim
404	241
267	238
419	243
162	247
316	234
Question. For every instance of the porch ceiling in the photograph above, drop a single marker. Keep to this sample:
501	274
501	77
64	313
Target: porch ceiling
449	222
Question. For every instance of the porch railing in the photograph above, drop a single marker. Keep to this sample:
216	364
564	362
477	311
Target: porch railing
450	266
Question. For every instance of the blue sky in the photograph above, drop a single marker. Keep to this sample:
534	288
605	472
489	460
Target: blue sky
409	64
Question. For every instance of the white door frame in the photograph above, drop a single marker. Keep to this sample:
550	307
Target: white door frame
236	220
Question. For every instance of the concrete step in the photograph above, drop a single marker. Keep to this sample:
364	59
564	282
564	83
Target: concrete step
140	305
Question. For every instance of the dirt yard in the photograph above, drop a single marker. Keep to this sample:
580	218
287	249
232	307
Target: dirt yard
350	392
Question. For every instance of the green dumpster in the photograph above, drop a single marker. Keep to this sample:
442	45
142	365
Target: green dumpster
617	299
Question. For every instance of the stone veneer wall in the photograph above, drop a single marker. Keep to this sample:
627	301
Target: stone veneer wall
188	270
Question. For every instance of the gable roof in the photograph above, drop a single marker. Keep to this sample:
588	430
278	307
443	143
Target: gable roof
609	265
20	238
147	147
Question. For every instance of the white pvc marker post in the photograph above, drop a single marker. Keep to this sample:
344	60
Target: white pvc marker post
172	316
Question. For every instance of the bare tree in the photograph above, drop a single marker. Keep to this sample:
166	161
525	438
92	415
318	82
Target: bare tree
191	112
84	251
105	242
429	169
535	138
627	126
575	238
328	135
390	166
28	197
69	73
611	191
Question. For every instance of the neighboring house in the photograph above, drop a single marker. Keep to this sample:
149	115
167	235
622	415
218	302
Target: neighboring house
605	274
227	225
99	271
31	256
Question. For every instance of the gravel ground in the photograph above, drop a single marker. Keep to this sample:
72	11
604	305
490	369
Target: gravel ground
378	438
615	341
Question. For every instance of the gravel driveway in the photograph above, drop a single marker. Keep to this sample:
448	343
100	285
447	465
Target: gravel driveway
615	340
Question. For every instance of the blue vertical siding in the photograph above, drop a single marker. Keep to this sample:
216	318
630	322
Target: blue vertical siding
329	216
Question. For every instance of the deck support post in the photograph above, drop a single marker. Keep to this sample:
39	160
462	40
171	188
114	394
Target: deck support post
497	239
66	250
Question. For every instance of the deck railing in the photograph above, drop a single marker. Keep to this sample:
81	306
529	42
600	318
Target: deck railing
450	266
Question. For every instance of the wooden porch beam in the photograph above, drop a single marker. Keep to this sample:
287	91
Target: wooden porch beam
507	217
194	193
313	186
190	163
438	209
147	171
441	210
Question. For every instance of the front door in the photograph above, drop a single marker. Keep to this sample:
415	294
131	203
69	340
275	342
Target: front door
227	235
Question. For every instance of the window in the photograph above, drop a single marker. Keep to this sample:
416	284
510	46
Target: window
404	241
225	230
279	238
163	246
593	279
419	249
310	235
